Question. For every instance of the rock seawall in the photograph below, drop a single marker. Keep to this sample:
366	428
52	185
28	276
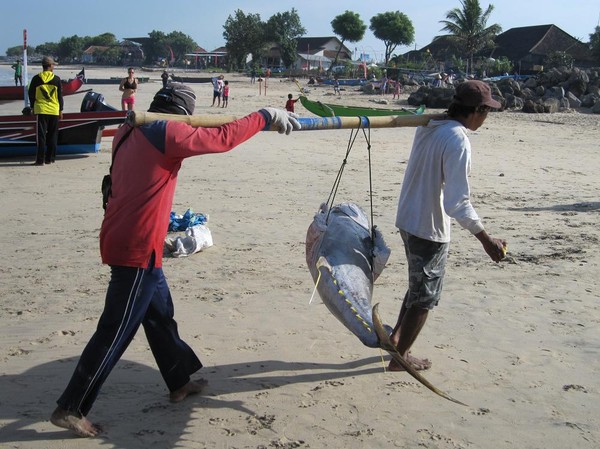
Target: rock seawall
556	90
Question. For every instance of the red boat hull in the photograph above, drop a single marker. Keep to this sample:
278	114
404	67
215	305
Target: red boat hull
14	93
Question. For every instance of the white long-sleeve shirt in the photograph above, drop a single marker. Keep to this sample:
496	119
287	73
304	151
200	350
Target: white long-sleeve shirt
436	185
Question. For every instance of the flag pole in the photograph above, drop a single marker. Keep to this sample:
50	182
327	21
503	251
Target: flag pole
25	78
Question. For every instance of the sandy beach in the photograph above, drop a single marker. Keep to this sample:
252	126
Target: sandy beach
518	341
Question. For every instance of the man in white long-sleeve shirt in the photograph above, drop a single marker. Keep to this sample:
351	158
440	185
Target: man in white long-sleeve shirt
436	189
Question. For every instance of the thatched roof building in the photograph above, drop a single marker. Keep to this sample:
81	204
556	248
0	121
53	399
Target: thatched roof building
528	47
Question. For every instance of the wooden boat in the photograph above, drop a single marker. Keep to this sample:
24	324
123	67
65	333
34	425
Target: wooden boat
336	110
115	80
79	132
191	79
343	81
14	93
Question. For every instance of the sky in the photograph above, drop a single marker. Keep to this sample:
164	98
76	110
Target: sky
48	21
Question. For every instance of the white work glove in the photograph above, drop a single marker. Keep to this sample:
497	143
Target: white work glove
283	121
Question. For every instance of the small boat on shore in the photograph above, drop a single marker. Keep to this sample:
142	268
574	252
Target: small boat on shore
191	79
115	80
343	81
337	110
79	132
14	93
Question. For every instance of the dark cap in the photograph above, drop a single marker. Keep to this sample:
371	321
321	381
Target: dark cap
475	93
47	61
176	98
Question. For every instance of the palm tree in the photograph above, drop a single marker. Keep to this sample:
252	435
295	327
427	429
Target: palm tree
469	29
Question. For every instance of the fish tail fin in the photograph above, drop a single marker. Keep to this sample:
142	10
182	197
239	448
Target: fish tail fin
387	345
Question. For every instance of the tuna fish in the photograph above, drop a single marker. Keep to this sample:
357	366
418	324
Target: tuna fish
340	254
345	259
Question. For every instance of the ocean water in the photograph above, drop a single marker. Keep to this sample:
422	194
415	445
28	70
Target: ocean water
7	76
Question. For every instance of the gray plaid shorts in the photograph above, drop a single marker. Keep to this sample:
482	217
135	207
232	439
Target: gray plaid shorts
426	268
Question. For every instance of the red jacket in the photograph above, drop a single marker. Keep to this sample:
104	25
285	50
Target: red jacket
144	176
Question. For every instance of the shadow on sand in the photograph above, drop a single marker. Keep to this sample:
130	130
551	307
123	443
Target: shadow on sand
133	406
575	207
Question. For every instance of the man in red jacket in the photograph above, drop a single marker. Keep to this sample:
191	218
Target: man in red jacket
146	161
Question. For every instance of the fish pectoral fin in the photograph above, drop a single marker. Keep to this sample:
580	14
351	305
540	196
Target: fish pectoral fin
386	344
322	262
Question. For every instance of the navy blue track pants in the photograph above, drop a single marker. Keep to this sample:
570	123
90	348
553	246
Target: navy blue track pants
135	296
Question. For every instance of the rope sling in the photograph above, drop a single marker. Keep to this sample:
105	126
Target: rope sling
336	184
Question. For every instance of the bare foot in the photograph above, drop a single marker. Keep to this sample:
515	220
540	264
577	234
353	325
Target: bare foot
418	364
80	425
192	387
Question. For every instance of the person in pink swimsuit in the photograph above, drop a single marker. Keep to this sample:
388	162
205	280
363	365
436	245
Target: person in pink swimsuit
129	87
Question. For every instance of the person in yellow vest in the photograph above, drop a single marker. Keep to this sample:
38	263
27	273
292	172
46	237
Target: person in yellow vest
46	102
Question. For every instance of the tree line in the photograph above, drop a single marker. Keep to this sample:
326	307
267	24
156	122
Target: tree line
69	49
247	36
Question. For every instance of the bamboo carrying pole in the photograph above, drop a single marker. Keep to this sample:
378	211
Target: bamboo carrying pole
307	123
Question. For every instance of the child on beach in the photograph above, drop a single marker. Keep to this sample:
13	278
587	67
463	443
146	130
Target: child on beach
289	104
225	93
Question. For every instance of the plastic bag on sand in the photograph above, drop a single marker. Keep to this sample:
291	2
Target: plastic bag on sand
196	239
188	219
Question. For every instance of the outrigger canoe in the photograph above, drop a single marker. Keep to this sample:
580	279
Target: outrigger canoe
115	80
14	93
191	79
343	81
78	133
337	110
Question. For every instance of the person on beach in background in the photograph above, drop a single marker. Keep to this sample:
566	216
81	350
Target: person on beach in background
225	93
336	87
218	84
436	189
46	102
165	78
18	68
290	103
384	84
146	161
129	87
396	89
